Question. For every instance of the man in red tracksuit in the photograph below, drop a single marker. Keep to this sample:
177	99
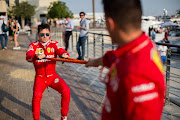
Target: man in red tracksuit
45	70
135	87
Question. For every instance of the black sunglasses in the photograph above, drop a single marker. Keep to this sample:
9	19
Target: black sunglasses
81	15
42	34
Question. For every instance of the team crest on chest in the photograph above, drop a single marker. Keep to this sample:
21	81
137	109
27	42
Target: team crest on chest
48	49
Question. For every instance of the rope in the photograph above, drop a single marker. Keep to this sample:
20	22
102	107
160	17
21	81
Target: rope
70	60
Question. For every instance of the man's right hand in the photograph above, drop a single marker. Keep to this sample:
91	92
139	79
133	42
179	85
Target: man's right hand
94	62
64	26
79	27
41	56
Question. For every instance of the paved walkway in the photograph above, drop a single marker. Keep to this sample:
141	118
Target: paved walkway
16	83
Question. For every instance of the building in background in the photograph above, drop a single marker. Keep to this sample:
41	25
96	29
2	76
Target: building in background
178	13
41	10
3	8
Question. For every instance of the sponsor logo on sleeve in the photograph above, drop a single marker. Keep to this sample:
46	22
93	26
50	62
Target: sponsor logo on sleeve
156	59
107	105
56	80
113	73
36	43
53	41
114	79
30	48
58	46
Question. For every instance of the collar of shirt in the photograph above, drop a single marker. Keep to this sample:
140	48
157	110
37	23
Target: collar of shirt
69	21
45	44
130	46
82	19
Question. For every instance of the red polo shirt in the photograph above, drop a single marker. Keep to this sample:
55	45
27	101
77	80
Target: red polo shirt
135	82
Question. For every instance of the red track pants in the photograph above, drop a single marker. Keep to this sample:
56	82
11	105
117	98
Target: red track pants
55	82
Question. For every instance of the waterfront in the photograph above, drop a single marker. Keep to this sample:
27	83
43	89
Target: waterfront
91	75
87	92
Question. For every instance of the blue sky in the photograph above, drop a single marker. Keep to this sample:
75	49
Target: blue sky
150	7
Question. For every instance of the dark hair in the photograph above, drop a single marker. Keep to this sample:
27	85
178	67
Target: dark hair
125	13
67	16
43	26
82	13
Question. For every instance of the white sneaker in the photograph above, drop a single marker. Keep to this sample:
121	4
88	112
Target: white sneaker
64	118
5	48
16	48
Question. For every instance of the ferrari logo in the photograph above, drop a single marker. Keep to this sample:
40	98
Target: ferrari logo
48	50
156	59
113	73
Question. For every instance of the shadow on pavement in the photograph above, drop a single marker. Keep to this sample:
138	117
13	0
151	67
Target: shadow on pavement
13	99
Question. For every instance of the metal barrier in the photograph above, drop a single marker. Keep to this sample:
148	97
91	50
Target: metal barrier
97	44
172	74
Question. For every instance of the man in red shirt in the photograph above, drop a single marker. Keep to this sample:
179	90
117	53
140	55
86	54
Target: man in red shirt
166	36
45	70
135	84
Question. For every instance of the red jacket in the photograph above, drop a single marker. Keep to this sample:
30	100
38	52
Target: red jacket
135	82
44	66
166	35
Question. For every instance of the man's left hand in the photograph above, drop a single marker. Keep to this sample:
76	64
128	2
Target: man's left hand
41	56
79	27
64	26
65	55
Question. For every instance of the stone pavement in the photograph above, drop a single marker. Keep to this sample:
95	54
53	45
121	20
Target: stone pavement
16	84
